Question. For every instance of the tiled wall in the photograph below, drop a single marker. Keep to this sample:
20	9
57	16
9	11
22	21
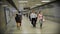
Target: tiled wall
52	13
2	20
3	17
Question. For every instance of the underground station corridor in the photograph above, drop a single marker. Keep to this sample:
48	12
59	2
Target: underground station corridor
50	10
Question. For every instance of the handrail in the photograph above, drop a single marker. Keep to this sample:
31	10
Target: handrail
45	4
52	16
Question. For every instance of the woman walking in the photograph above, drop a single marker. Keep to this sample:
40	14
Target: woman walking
40	17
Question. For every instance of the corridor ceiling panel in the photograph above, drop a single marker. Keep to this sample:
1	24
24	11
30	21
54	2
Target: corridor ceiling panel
30	3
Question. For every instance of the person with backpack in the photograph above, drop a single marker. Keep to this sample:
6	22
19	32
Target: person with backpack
18	19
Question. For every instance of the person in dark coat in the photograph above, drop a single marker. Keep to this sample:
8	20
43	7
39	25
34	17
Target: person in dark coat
18	20
20	15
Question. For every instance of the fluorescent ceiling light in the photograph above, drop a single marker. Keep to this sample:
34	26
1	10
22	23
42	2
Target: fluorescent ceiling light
33	6
45	1
22	1
24	10
38	4
4	5
14	10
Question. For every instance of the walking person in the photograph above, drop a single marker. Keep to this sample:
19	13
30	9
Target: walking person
18	19
40	17
33	18
20	15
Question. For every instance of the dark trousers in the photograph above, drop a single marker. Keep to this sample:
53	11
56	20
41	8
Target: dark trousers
33	22
36	18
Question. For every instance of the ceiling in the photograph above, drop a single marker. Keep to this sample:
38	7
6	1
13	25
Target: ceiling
30	3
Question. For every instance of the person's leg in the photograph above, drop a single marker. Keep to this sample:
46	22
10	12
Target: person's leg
41	21
17	25
34	22
36	18
20	23
40	25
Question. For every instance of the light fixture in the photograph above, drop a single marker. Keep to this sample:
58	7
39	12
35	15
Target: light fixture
33	6
45	1
4	5
14	10
38	4
22	1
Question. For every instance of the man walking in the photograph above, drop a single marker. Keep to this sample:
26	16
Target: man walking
33	16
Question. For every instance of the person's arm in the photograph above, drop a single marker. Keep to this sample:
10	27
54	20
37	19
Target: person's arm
37	15
15	18
42	17
30	15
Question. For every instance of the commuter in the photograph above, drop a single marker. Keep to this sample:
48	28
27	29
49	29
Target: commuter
33	18
18	21
20	15
40	17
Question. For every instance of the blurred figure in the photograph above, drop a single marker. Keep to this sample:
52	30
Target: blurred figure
33	16
40	17
18	19
20	15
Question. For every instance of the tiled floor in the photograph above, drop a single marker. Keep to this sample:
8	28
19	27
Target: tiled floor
49	27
